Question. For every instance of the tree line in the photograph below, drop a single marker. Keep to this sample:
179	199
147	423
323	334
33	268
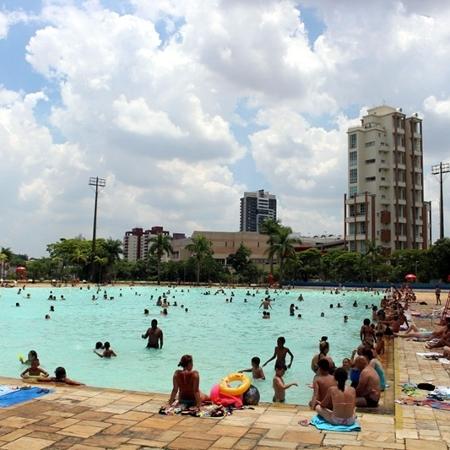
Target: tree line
71	259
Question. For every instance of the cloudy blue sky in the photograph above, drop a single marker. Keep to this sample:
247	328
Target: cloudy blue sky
184	104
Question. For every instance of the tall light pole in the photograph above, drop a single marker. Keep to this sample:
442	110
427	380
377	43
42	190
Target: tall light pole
440	169
97	183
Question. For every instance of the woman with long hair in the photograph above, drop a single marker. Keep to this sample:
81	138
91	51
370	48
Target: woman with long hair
338	406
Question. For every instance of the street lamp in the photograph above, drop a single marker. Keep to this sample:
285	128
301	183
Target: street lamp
439	169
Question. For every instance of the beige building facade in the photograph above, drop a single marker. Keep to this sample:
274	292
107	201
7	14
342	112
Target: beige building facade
224	243
385	203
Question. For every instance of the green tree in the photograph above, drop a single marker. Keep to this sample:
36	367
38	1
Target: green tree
271	227
111	249
246	270
440	257
240	259
101	263
373	256
282	248
160	246
4	258
310	263
347	266
200	248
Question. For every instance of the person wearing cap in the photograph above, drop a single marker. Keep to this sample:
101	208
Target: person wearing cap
186	383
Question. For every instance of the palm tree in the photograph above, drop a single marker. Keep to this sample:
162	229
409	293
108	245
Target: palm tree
271	228
100	263
160	245
282	248
200	248
113	249
5	255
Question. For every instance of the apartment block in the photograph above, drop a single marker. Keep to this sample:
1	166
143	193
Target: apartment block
256	207
385	202
136	243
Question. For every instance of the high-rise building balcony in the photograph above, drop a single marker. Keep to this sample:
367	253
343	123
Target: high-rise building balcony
385	217
385	235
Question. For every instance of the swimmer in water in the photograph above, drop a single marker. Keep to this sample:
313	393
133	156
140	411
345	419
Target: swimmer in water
34	370
256	369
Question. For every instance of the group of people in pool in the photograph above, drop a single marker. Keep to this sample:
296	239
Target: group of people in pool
334	397
34	371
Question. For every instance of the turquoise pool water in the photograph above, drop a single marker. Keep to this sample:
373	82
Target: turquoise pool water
222	337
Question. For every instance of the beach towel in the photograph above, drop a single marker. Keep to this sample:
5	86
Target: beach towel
321	424
21	395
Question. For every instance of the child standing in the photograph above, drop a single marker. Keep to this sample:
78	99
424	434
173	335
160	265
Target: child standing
279	387
256	369
280	353
367	333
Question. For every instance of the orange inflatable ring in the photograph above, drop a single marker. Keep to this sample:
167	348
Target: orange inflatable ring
225	387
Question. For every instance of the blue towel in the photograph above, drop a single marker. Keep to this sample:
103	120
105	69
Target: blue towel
321	424
21	395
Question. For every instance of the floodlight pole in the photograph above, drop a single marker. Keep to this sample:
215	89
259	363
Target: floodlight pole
440	169
96	182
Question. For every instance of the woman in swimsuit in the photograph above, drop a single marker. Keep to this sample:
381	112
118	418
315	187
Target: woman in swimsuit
186	384
338	406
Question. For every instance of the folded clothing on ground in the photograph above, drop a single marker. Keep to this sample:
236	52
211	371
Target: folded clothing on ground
20	395
321	424
205	410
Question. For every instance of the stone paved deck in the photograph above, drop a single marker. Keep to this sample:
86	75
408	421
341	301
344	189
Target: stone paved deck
84	418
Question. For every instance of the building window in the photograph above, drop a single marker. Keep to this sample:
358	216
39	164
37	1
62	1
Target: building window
370	144
352	141
353	158
370	161
370	178
351	228
362	208
352	191
352	246
353	175
362	227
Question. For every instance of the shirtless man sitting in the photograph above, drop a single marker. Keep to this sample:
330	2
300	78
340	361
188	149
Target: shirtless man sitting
154	335
368	389
186	384
322	382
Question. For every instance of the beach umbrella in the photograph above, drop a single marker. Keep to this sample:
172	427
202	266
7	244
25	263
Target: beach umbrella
410	277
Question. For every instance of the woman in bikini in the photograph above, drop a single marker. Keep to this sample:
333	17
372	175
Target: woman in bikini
338	406
186	384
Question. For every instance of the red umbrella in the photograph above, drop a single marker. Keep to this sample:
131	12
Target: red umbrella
410	277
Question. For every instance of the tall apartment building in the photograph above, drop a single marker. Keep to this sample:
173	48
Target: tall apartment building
256	207
136	242
385	200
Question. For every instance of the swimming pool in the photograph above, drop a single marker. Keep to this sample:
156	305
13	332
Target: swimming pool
221	336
